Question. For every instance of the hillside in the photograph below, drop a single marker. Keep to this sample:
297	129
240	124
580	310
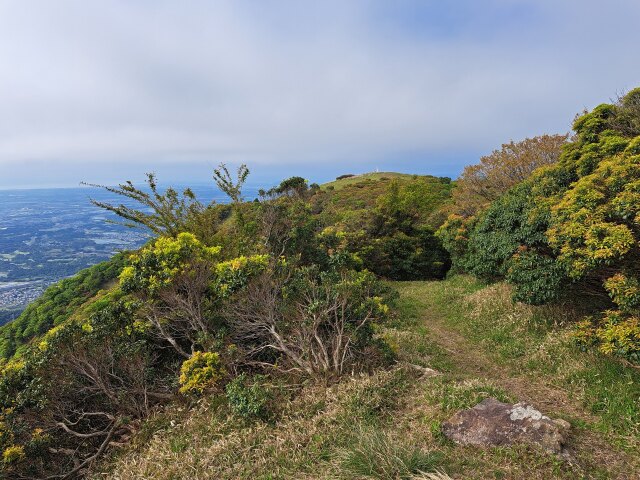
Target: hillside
387	425
57	305
355	197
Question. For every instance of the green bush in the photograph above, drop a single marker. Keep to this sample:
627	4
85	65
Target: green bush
248	398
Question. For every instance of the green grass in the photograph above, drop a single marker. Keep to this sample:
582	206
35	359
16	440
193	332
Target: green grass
536	342
454	396
358	178
375	454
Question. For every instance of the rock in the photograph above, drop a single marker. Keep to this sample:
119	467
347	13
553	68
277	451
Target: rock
425	371
492	422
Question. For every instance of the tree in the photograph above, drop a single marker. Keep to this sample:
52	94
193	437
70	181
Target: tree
232	188
293	186
167	213
481	184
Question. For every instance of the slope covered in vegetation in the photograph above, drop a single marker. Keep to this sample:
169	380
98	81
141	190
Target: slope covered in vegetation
387	425
277	287
57	304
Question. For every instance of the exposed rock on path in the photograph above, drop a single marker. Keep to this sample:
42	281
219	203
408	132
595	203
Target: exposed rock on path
492	422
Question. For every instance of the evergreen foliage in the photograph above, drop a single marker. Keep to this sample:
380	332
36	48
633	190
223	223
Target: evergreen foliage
570	230
57	304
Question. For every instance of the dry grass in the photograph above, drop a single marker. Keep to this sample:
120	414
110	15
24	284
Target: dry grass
212	443
431	476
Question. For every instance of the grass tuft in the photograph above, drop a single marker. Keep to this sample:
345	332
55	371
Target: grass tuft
378	455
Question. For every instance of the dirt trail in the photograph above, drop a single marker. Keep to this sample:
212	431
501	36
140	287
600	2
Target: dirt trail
472	362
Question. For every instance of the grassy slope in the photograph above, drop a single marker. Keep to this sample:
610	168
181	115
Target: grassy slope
386	425
347	200
371	176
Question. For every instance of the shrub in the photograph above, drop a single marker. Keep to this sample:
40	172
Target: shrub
201	372
613	334
537	278
318	323
248	398
179	282
158	265
13	454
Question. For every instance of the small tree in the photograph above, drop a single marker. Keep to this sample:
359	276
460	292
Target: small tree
166	213
232	188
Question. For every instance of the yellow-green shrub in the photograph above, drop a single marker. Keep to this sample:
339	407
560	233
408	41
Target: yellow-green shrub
156	266
13	454
201	372
615	334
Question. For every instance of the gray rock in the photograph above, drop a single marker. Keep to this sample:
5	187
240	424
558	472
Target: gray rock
492	422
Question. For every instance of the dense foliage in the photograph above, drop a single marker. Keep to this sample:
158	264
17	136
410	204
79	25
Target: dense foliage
570	230
57	304
389	225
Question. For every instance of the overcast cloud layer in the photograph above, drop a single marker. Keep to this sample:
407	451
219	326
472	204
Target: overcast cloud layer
106	90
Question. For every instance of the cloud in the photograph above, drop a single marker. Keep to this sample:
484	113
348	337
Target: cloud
290	83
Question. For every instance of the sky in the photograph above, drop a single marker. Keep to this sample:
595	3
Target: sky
104	91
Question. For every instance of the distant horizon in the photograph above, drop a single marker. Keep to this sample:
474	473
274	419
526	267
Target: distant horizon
262	181
104	91
201	183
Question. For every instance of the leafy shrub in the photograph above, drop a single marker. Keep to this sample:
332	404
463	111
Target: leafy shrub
158	265
248	398
614	334
570	228
624	291
454	236
201	372
13	454
179	282
538	279
620	335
